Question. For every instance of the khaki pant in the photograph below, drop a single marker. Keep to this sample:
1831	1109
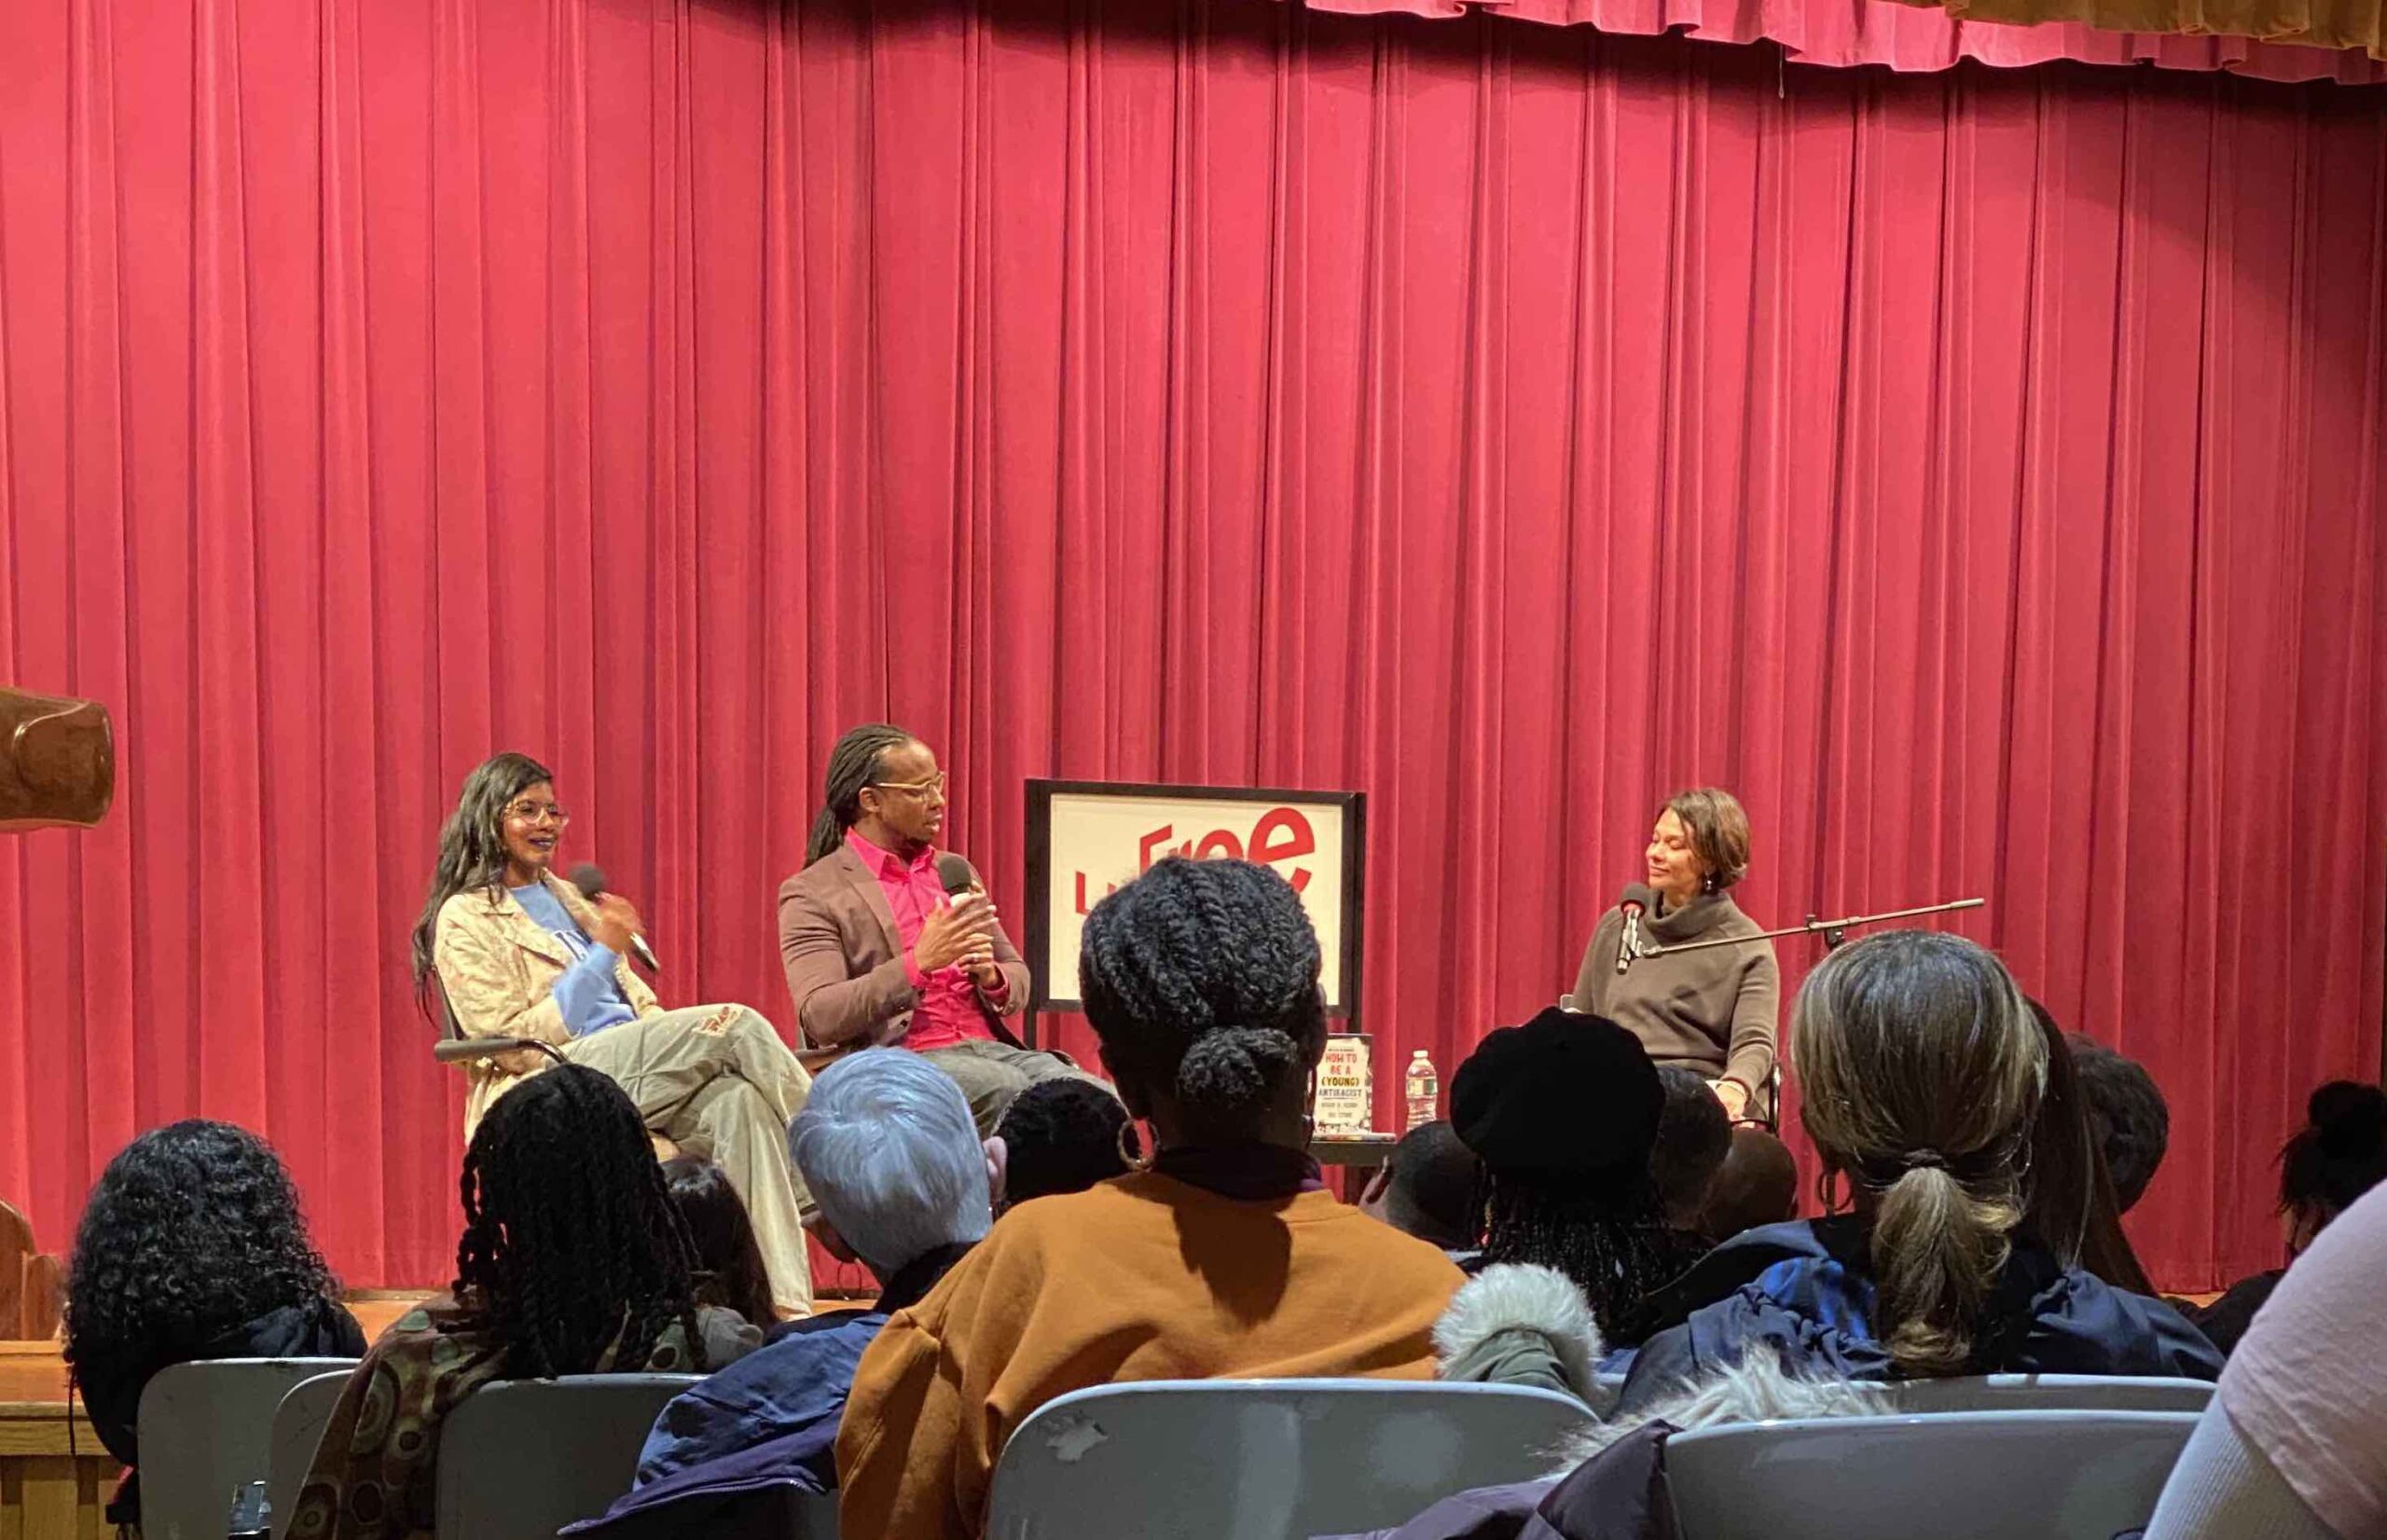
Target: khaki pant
990	1074
716	1081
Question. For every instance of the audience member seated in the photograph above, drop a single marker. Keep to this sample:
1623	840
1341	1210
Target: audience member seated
2339	1154
1431	1185
1060	1137
1695	1135
2068	1199
2294	1442
1226	1256
2128	1117
191	1247
572	1262
1564	1113
890	1154
1921	1071
1758	1186
730	1274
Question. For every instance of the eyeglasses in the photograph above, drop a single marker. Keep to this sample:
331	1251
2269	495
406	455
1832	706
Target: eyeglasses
917	788
537	813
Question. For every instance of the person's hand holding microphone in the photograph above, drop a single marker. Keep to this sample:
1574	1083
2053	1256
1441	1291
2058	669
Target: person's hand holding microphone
963	932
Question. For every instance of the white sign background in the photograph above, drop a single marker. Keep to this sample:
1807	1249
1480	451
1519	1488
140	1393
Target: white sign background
1101	839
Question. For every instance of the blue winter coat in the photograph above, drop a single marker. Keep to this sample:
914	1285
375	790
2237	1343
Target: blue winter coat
1805	1289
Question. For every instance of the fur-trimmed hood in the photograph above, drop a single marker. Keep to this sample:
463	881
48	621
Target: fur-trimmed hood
1517	1323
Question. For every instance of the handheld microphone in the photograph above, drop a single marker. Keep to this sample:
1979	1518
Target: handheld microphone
956	872
591	882
1630	947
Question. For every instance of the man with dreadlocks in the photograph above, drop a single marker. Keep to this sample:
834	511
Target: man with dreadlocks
574	1260
877	954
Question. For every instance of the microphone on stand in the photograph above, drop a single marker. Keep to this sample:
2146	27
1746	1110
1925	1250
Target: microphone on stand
591	882
1630	947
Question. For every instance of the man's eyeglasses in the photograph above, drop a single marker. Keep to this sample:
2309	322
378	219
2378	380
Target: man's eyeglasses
537	813
917	788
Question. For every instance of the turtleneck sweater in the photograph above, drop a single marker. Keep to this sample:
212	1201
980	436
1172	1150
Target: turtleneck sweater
1712	1009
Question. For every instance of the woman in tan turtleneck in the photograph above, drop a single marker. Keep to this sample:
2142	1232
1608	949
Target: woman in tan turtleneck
1712	1009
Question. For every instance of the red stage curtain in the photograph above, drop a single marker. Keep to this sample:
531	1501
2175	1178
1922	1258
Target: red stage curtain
1980	472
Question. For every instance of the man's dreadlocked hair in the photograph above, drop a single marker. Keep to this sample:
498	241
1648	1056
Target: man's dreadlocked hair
854	763
571	1242
1609	1238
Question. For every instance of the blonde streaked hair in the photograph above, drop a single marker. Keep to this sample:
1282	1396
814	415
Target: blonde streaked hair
1718	827
1921	1067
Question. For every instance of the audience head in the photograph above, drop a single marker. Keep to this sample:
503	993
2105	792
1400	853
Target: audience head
729	1260
1695	1135
571	1242
888	1146
1430	1187
2128	1117
1921	1068
473	846
1759	1184
2339	1154
1201	980
881	773
192	1232
1060	1136
1563	1112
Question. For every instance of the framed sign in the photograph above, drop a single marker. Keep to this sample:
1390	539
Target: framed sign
1084	838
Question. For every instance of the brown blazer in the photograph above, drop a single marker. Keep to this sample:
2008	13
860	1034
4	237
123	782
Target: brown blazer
844	959
499	968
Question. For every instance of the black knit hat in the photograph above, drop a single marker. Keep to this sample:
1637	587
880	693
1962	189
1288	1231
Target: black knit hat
1566	1094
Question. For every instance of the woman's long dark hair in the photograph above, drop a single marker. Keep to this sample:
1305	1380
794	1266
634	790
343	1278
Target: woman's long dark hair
571	1242
2068	1199
192	1230
1610	1239
729	1262
472	850
854	765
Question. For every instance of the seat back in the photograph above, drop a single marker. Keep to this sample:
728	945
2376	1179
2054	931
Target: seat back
2020	1475
521	1458
205	1430
16	1253
298	1425
2049	1393
1259	1460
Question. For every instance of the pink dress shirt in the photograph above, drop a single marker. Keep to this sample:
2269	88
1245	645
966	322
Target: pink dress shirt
949	1011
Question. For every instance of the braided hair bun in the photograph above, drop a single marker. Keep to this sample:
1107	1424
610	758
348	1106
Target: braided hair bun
1202	976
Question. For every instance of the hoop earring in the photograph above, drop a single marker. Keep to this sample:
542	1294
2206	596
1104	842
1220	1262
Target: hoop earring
1131	1149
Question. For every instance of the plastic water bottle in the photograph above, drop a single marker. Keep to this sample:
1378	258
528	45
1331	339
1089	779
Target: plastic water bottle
252	1515
1422	1093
